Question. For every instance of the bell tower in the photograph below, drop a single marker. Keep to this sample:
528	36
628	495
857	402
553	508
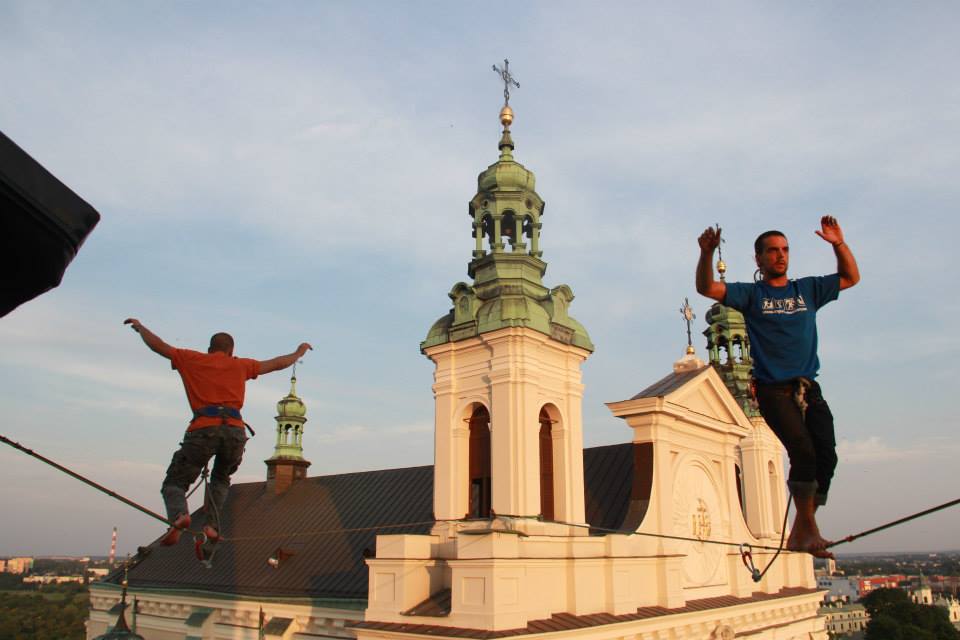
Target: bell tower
509	553
287	464
507	383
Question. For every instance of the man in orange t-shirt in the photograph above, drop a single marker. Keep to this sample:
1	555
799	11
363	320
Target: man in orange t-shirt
215	382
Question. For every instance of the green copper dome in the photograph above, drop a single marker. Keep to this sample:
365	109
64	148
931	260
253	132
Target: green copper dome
507	269
506	173
291	405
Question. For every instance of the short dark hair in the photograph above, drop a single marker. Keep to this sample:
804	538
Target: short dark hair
221	342
758	243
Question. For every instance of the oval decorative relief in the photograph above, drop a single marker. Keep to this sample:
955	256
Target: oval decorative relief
696	514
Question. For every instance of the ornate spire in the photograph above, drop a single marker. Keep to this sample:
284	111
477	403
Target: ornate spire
506	113
687	312
291	416
287	463
721	265
689	361
507	269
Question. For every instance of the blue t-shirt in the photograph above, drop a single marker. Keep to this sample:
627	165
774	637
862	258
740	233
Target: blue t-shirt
782	324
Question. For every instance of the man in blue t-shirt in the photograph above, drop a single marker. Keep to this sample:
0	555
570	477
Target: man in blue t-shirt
781	323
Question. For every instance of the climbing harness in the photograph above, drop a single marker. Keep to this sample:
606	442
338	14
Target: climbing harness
217	411
223	412
800	386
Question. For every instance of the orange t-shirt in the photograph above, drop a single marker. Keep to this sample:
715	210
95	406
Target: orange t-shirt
213	379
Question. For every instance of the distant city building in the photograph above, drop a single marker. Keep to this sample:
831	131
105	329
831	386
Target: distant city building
867	584
920	592
951	605
945	584
53	579
845	620
17	565
840	587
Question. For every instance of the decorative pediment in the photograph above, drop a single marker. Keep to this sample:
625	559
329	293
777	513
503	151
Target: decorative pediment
697	393
707	395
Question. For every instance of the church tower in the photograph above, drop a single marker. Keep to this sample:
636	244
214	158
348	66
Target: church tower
287	464
510	553
507	381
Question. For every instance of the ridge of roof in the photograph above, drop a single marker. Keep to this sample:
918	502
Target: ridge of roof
670	383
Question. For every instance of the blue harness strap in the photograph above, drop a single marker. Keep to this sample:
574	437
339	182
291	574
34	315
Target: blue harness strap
217	411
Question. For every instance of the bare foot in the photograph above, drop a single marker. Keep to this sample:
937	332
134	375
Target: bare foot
809	542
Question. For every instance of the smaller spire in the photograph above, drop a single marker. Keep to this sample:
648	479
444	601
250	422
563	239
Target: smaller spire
721	265
689	361
687	312
506	113
287	463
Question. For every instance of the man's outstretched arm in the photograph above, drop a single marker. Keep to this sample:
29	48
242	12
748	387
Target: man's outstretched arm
282	362
709	240
151	339
846	264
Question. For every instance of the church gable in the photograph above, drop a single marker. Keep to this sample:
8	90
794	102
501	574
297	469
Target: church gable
706	395
699	390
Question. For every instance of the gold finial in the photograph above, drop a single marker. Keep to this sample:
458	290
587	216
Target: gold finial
721	265
506	116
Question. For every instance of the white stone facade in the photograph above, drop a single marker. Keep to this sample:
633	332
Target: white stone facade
505	573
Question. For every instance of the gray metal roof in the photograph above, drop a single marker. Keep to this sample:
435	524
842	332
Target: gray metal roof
669	384
325	525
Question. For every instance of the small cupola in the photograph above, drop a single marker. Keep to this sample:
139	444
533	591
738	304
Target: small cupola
287	464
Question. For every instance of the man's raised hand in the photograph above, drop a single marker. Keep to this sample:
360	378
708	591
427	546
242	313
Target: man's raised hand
830	230
709	239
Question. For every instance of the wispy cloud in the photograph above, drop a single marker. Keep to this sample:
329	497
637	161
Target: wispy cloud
876	449
357	432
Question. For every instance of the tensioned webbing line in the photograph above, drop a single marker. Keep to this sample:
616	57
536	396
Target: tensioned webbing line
99	487
157	516
894	523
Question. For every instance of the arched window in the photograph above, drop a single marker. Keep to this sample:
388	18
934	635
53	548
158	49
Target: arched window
479	489
486	228
508	229
546	466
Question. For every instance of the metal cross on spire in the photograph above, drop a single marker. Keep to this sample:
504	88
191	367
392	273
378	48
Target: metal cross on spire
507	80
687	312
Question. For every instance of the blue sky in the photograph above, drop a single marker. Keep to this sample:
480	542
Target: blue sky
301	171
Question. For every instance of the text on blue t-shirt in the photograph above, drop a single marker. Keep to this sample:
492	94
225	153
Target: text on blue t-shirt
782	324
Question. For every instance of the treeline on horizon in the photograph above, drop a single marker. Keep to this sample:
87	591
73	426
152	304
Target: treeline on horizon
55	612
